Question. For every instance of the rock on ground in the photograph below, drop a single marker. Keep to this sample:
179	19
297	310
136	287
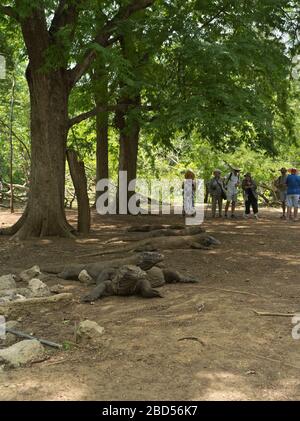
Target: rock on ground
85	278
9	338
11	293
33	272
22	353
38	288
7	282
57	289
90	331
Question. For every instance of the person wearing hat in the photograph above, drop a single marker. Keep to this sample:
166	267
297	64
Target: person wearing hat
250	195
231	184
293	193
217	192
281	186
189	190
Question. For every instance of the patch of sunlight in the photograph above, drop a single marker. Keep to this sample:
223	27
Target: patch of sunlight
67	388
87	240
223	386
46	241
289	258
110	226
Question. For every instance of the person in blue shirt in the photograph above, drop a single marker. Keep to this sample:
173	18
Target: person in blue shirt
293	193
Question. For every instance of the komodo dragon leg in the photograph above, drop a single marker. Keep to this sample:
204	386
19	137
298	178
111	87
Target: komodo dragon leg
199	246
103	286
143	288
105	275
101	290
172	276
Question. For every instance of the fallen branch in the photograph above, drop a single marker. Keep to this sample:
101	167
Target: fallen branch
27	336
263	313
232	291
192	338
17	186
65	296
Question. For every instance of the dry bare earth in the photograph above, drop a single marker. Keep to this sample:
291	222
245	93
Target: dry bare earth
237	354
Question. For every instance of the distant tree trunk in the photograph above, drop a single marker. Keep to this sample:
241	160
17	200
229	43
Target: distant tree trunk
128	124
78	175
11	119
101	149
100	82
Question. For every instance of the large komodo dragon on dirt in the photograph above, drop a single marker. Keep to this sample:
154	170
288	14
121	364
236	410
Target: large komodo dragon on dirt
196	241
134	275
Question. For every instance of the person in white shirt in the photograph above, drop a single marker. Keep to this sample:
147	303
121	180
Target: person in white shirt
232	183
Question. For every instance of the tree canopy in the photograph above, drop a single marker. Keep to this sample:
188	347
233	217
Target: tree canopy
195	81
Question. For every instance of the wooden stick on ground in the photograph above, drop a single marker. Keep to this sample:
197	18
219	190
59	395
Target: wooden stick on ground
233	291
27	336
265	313
192	338
66	296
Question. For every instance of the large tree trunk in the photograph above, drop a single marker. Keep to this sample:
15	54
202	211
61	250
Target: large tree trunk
45	214
49	88
129	131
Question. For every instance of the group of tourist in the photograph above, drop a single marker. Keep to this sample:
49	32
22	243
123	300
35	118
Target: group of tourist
227	188
288	187
220	188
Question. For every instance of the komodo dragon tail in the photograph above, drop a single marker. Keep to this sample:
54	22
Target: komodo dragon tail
52	269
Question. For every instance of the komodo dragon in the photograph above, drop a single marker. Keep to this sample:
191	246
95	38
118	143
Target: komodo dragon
143	260
198	241
132	280
164	232
136	274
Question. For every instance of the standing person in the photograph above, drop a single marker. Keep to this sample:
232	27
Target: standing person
281	186
250	195
189	190
293	193
232	183
216	190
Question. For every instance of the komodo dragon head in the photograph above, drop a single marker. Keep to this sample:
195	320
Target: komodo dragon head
148	259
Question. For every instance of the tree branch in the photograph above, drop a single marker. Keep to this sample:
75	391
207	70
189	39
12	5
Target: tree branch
92	113
211	19
16	137
66	14
104	39
9	11
105	109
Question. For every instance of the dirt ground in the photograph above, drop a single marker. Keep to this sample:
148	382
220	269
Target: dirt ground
234	354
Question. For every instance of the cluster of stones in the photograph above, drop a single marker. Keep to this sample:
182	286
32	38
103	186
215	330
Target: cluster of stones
35	288
15	352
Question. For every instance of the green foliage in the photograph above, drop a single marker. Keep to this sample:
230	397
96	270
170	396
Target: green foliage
213	76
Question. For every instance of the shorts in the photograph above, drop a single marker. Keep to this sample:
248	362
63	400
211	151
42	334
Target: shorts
292	200
282	196
231	196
